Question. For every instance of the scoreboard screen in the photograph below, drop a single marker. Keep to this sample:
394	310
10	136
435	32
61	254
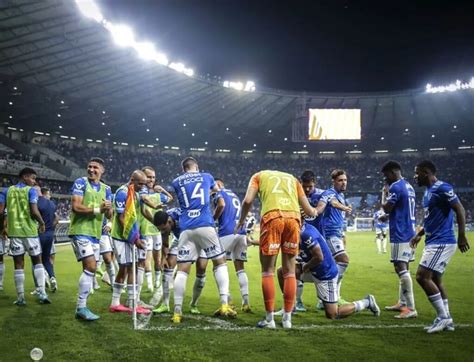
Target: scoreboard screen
334	124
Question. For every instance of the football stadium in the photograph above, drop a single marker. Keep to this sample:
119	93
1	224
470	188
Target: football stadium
153	208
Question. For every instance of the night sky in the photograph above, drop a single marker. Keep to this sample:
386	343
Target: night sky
320	46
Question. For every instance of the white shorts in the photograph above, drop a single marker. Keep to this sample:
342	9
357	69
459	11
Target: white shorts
192	242
19	246
3	246
96	248
82	247
437	256
326	289
235	247
336	245
124	252
153	242
402	252
157	242
173	250
53	249
379	231
105	244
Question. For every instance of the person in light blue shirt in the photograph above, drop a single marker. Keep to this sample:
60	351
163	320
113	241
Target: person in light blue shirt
440	204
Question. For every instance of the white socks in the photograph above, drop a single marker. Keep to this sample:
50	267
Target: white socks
222	279
341	268
167	280
85	285
437	303
197	288
38	271
140	277
361	304
116	292
406	285
19	276
244	286
179	289
111	271
157	278
149	279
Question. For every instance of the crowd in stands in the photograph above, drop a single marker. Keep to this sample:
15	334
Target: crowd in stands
365	180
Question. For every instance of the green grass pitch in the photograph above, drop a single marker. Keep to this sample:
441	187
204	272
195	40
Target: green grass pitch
360	337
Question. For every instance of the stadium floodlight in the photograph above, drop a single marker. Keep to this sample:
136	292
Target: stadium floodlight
162	59
146	50
122	34
327	152
381	151
285	139
10	116
452	87
90	9
103	123
249	86
192	134
179	67
10	103
148	130
206	143
438	149
62	102
60	127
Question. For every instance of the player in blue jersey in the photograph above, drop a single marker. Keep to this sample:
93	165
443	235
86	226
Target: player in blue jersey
193	190
333	204
90	202
168	224
381	230
399	203
440	203
227	213
317	265
308	182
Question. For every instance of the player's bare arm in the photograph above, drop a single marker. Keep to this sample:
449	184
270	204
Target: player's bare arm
246	205
416	239
458	209
162	190
219	208
79	208
316	259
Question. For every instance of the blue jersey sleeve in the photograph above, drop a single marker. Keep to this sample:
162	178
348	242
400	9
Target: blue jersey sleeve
33	196
78	187
119	203
327	196
447	194
212	182
164	199
393	194
108	193
3	196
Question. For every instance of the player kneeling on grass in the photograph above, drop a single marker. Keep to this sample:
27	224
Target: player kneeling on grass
318	266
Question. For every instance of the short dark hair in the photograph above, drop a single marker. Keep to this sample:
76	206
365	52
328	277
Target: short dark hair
45	189
160	218
27	171
336	173
98	160
391	166
149	168
427	165
218	179
188	162
308	176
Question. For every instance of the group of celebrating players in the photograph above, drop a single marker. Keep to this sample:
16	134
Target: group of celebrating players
304	222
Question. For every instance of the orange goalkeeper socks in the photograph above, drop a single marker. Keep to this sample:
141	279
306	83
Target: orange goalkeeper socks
289	291
268	288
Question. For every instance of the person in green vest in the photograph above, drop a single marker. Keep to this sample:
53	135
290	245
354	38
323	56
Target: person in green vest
23	223
91	200
124	249
159	196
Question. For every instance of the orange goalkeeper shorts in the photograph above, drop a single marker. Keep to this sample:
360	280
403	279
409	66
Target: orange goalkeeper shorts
279	233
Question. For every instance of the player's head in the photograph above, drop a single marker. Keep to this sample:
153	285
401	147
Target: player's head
150	176
339	180
46	192
95	168
308	181
189	164
392	171
28	176
138	179
163	222
220	183
425	171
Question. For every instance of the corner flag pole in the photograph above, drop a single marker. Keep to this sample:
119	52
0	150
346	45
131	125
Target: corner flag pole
135	291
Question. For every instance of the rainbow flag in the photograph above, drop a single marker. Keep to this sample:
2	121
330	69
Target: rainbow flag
131	229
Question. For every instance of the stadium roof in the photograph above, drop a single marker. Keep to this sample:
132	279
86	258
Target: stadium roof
62	73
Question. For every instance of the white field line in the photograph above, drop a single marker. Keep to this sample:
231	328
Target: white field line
219	324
